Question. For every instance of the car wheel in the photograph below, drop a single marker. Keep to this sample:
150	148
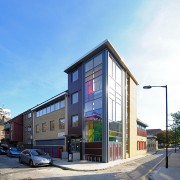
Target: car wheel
31	163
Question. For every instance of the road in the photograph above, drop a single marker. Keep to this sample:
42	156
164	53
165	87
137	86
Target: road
11	169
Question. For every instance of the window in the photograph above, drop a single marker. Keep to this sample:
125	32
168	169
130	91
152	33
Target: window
62	104
74	97
52	125
48	109
40	113
97	103
29	115
89	66
37	128
43	127
74	121
57	106
98	60
75	75
114	100
93	99
52	108
88	106
97	83
37	114
62	123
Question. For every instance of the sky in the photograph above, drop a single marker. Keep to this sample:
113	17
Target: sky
39	39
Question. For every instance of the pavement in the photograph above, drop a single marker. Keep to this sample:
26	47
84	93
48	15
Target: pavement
162	173
173	170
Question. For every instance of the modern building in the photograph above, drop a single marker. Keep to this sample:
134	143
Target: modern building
102	106
95	119
50	125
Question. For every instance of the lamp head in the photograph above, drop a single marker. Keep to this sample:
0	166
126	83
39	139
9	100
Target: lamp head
147	87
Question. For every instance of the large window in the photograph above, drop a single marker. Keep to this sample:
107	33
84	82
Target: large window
51	108
114	100
74	97
74	121
74	75
93	99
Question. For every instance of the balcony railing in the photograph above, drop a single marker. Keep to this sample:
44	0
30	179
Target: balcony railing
7	126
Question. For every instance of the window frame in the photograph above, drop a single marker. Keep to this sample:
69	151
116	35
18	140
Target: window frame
72	123
75	99
52	125
60	126
44	127
37	128
75	75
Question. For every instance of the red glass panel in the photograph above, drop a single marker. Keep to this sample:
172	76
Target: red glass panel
90	87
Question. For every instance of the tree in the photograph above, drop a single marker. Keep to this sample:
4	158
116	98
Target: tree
161	137
175	128
176	117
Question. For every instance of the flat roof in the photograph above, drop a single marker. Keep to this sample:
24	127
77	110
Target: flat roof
49	100
96	50
142	123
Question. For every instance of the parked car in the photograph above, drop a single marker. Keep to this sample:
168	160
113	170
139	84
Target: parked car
3	150
13	152
35	157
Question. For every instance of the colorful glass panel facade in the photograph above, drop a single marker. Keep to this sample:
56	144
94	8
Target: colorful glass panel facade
93	99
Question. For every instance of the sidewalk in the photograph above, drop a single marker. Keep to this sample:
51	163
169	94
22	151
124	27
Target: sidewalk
173	170
90	165
162	173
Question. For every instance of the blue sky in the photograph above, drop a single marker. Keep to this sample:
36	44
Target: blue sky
39	39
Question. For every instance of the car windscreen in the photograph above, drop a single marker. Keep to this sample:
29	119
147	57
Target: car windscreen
37	152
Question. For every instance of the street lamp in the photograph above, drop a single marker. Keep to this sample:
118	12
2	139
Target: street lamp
149	87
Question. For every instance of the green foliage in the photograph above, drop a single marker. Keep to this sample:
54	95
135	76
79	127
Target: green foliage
176	117
175	128
161	137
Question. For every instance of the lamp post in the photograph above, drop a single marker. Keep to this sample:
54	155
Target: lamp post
149	87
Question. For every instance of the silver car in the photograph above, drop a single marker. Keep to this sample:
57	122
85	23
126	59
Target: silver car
35	157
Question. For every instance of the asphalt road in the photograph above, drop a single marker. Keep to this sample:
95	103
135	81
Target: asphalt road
11	169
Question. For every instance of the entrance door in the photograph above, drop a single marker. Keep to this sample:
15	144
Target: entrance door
75	145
